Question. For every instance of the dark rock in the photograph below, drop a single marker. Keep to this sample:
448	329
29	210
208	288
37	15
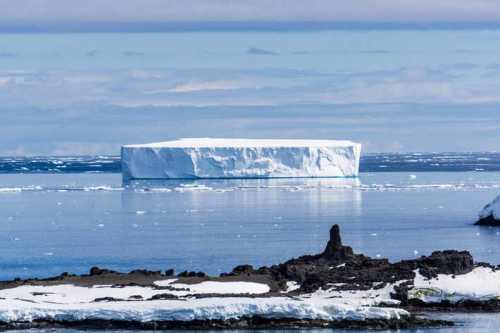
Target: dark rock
163	297
136	297
240	323
144	272
489	221
243	269
334	249
170	272
98	271
108	299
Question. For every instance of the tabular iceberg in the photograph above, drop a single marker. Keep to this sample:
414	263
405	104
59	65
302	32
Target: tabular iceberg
240	158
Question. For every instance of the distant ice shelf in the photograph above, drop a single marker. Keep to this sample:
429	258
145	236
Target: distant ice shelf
240	158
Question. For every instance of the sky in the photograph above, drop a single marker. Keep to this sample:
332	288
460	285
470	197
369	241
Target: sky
58	11
394	90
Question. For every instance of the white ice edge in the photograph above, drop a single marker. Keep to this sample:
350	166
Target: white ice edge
491	209
240	158
242	143
71	303
194	309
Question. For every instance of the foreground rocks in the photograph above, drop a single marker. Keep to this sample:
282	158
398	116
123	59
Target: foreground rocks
242	323
335	288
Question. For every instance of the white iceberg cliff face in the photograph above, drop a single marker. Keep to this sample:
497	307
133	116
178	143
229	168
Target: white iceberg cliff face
491	210
240	158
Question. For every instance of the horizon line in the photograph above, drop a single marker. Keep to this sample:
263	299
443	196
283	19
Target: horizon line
223	26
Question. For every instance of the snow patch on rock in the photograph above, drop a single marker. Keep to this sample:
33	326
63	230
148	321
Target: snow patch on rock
72	303
482	284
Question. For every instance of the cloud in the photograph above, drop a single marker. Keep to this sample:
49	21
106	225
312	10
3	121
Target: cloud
57	11
132	53
386	127
7	55
460	83
206	86
259	51
92	53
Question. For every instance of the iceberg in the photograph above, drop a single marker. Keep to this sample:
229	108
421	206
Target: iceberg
240	158
490	214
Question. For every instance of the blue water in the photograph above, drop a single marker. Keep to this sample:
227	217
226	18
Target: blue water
52	223
386	162
84	216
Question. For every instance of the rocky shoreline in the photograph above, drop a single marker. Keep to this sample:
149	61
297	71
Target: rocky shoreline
241	323
336	288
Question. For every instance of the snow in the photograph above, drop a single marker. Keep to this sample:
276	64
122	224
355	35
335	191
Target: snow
70	303
482	284
216	287
370	297
491	209
291	286
240	158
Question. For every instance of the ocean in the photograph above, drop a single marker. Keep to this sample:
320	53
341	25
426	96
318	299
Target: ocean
69	214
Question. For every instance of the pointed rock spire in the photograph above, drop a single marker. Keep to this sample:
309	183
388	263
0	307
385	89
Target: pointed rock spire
335	240
334	249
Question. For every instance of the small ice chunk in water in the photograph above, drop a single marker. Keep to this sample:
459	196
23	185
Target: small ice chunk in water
140	212
413	176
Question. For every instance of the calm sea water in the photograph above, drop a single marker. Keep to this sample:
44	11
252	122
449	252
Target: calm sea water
386	162
68	221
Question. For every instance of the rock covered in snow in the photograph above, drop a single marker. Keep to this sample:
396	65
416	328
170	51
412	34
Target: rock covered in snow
490	215
335	288
240	158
